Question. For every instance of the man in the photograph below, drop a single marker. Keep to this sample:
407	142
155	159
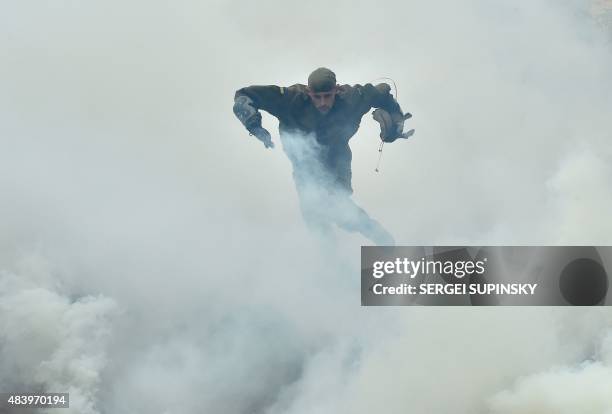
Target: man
316	123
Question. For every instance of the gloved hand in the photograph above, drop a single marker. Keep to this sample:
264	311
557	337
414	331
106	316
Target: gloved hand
263	135
391	126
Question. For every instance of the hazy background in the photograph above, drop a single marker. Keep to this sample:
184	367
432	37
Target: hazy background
152	254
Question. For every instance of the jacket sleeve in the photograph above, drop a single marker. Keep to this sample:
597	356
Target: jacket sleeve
388	113
379	96
268	98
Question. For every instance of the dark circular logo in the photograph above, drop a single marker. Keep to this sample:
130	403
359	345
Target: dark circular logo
583	282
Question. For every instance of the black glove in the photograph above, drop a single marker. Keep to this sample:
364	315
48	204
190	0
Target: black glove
263	135
391	125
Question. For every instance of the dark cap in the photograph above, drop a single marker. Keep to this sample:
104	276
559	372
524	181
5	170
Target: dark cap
322	80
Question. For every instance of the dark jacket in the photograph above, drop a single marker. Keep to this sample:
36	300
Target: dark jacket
295	112
292	106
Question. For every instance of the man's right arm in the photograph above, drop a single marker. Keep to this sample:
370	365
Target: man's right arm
247	103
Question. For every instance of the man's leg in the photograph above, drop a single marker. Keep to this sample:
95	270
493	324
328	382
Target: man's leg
309	176
315	209
347	214
350	217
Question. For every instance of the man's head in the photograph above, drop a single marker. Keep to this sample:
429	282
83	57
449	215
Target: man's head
322	89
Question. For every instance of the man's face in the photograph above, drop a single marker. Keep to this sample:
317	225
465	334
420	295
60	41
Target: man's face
323	101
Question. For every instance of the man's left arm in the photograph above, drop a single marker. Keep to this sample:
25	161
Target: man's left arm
388	112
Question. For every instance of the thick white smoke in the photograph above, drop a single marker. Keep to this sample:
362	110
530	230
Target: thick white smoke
52	343
581	388
153	257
